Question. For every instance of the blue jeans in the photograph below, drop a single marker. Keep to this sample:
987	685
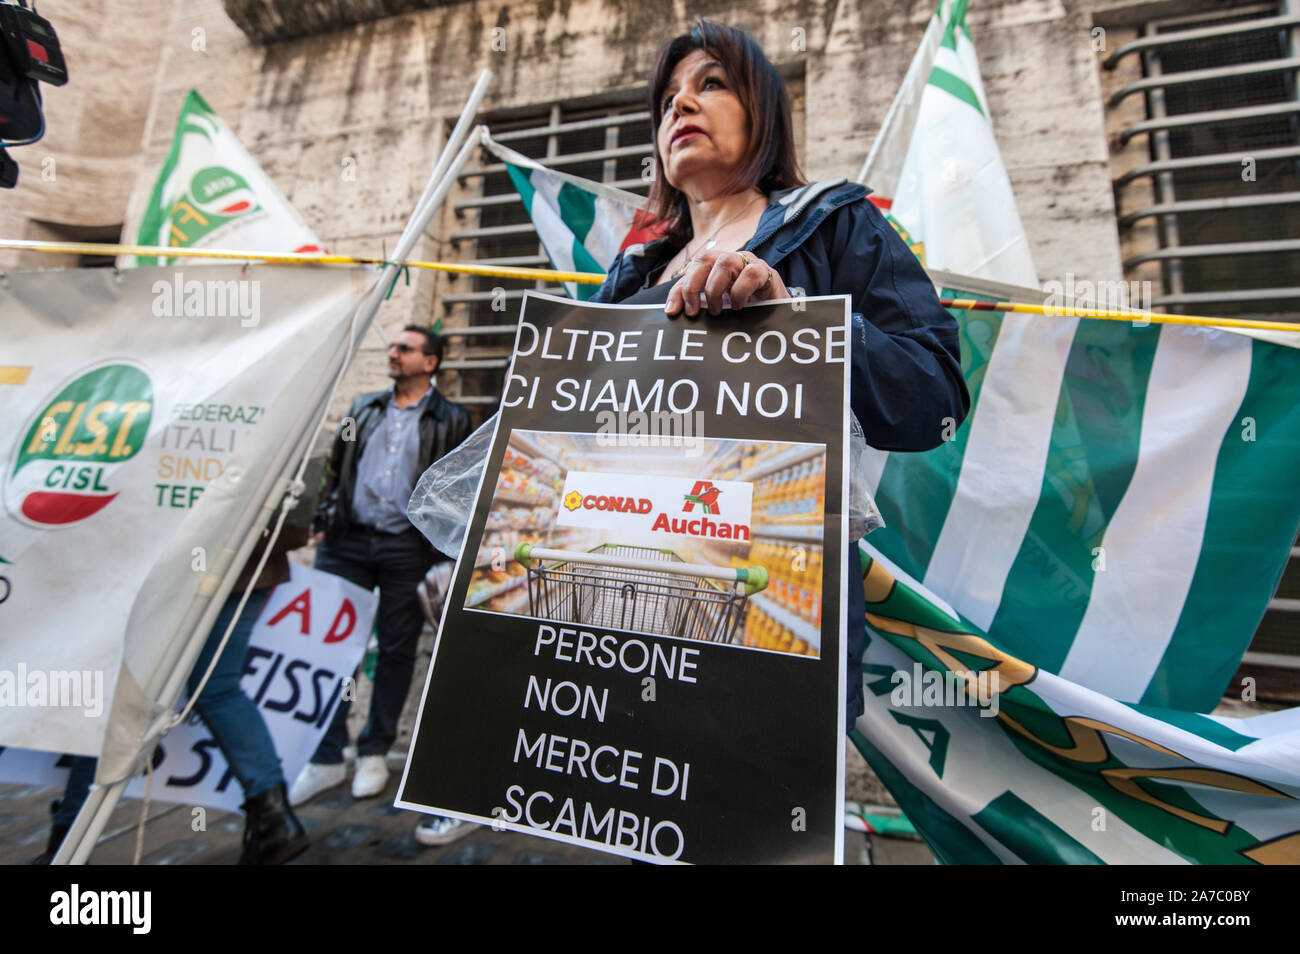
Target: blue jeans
235	723
80	775
396	563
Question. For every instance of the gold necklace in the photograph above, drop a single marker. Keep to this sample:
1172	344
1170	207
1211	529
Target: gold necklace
712	240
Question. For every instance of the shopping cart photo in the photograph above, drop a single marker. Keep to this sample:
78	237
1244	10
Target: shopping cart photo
646	589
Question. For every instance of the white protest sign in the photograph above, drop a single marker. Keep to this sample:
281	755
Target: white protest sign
308	640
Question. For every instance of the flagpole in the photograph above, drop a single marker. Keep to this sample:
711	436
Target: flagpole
453	147
919	61
439	179
102	800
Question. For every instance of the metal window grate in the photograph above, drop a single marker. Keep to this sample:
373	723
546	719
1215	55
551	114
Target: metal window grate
1223	130
489	225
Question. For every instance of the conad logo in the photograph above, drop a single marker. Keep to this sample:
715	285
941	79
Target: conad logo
64	465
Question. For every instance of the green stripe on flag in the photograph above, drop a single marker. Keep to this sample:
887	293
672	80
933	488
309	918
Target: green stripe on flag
1161	821
523	185
578	210
1201	726
1090	462
1252	520
155	214
955	20
1034	837
955	85
916	490
951	841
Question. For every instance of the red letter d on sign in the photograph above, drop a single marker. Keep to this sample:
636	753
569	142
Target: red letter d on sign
343	623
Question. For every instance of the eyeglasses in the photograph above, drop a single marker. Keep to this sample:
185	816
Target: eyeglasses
403	348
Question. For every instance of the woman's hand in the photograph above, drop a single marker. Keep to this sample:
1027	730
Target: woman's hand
740	275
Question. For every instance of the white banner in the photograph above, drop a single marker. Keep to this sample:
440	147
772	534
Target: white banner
142	440
308	640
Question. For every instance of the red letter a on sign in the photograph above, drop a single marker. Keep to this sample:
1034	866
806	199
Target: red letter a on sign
301	606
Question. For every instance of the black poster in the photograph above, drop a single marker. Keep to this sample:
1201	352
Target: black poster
642	648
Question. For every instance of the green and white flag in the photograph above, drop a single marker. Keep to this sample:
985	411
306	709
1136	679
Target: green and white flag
1106	542
1103	533
210	193
582	224
935	166
1007	763
1117	507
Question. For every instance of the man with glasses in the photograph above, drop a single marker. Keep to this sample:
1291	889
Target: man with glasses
383	445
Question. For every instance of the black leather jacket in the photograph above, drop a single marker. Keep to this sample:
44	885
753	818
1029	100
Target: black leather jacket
443	425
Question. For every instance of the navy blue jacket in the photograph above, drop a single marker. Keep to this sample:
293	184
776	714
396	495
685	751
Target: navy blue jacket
906	384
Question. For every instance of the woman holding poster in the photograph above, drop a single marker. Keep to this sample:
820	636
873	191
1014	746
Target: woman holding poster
741	225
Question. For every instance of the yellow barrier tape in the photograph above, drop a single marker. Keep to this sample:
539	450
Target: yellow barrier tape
1139	317
297	258
592	278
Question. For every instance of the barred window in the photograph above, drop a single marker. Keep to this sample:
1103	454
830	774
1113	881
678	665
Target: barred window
1219	190
489	225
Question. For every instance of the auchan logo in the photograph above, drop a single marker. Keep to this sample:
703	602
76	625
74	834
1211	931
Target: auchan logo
64	465
704	494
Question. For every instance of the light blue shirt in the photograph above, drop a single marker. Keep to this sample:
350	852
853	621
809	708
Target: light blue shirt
389	468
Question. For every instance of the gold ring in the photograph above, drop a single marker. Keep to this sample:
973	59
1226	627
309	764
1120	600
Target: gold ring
744	257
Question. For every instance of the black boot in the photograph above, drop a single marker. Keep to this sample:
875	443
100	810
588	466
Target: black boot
57	834
272	833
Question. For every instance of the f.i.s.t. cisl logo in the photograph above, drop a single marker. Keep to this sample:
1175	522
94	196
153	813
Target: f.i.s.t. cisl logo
63	468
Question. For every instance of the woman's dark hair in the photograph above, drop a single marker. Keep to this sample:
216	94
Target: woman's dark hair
772	163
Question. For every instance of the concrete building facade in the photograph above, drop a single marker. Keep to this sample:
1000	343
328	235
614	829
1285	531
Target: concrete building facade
346	105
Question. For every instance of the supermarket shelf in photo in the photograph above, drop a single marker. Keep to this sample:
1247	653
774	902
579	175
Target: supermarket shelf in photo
799	532
795	455
797	625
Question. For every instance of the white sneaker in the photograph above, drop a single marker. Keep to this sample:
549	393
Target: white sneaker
314	779
436	830
371	777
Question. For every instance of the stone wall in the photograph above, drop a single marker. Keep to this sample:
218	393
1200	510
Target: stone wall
375	94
